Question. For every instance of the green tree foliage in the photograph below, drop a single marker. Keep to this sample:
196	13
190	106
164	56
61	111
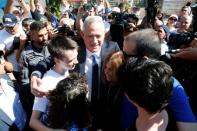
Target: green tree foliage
54	6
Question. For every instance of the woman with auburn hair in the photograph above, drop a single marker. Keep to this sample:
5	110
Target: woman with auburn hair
113	91
111	66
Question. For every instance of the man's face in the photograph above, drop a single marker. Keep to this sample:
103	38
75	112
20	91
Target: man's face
69	61
129	47
40	37
90	12
12	30
93	37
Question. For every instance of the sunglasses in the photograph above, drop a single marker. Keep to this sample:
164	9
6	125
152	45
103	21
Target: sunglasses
173	19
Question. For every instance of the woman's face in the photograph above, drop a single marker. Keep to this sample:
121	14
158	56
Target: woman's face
109	72
172	21
185	22
185	11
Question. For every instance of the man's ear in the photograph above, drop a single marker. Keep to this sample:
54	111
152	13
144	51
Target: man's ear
56	60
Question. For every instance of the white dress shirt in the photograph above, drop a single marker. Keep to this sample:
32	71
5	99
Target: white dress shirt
88	69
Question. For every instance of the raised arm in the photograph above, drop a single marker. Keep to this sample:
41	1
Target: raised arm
25	7
79	20
38	72
32	5
8	6
187	53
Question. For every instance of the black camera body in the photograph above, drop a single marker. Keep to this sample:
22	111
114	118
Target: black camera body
118	18
177	40
120	25
66	30
122	19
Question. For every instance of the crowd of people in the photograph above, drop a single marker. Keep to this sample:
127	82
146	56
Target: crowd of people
96	68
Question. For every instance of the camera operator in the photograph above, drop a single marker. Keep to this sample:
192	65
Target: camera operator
123	23
131	25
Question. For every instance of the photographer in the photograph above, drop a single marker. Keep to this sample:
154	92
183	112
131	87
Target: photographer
123	23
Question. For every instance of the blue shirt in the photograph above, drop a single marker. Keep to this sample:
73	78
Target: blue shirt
178	105
3	3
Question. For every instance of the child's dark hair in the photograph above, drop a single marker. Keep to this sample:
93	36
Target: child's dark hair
68	103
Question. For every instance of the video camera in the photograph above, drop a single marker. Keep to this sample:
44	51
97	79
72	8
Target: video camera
66	30
120	23
181	39
123	18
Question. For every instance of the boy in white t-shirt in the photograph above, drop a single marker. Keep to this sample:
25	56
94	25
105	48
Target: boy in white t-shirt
64	52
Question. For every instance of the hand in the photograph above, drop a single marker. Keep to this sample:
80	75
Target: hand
35	85
23	39
186	53
194	43
131	25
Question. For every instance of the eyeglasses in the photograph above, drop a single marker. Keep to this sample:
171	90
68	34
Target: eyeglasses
173	19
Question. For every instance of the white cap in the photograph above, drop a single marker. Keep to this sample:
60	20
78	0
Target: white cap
115	9
174	15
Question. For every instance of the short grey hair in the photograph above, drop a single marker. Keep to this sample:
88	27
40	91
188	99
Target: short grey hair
93	19
147	43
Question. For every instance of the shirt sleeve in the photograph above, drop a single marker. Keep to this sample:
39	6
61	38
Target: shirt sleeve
43	66
40	104
179	104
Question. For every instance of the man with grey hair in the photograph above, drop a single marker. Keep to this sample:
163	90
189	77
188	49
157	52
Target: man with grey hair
91	56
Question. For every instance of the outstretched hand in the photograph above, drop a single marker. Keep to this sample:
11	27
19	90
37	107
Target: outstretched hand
35	87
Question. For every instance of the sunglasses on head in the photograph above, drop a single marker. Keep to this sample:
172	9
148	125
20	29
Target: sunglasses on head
174	19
